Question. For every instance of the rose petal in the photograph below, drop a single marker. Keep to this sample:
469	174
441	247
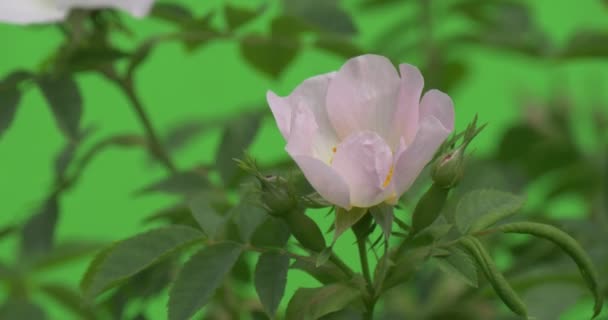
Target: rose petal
303	130
363	96
137	8
325	180
30	11
437	122
311	94
364	161
439	105
407	116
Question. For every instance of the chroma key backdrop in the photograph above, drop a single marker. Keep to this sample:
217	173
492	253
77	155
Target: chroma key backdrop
317	159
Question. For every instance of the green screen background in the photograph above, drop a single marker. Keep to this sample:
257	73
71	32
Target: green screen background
215	81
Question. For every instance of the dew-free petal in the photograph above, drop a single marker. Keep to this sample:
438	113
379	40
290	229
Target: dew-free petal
363	96
30	11
326	181
365	162
407	116
437	122
310	94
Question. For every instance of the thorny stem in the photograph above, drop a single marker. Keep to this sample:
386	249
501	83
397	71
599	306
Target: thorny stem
126	85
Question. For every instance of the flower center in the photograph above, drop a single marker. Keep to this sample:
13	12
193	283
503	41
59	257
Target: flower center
389	177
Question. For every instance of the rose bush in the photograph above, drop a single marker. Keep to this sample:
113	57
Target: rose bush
362	135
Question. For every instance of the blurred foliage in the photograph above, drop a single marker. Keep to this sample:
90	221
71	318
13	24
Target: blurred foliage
215	199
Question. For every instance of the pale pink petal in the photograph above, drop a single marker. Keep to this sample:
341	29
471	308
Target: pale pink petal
437	122
310	93
137	8
325	180
30	11
363	96
303	130
281	110
407	116
364	161
439	105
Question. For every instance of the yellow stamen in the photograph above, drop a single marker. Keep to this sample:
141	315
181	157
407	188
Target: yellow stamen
389	177
333	152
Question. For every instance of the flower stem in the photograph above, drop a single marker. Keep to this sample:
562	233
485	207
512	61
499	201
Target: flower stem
370	304
155	144
126	86
341	265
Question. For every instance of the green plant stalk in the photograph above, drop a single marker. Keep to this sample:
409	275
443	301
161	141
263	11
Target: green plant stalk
155	143
156	146
341	265
370	304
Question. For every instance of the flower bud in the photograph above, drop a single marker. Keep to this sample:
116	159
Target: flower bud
448	169
276	196
305	230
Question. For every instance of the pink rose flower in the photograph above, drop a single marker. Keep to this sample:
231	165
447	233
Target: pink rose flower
46	11
362	135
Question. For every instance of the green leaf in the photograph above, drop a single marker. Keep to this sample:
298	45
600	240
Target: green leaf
501	286
141	54
344	314
69	299
207	218
326	15
67	155
38	233
324	256
199	279
383	215
93	55
182	183
63	253
128	257
346	219
269	55
570	247
288	26
238	16
63	96
235	140
480	209
270	280
182	134
21	309
249	216
340	46
8	230
404	267
10	95
313	303
172	12
273	232
177	214
460	265
326	273
587	44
